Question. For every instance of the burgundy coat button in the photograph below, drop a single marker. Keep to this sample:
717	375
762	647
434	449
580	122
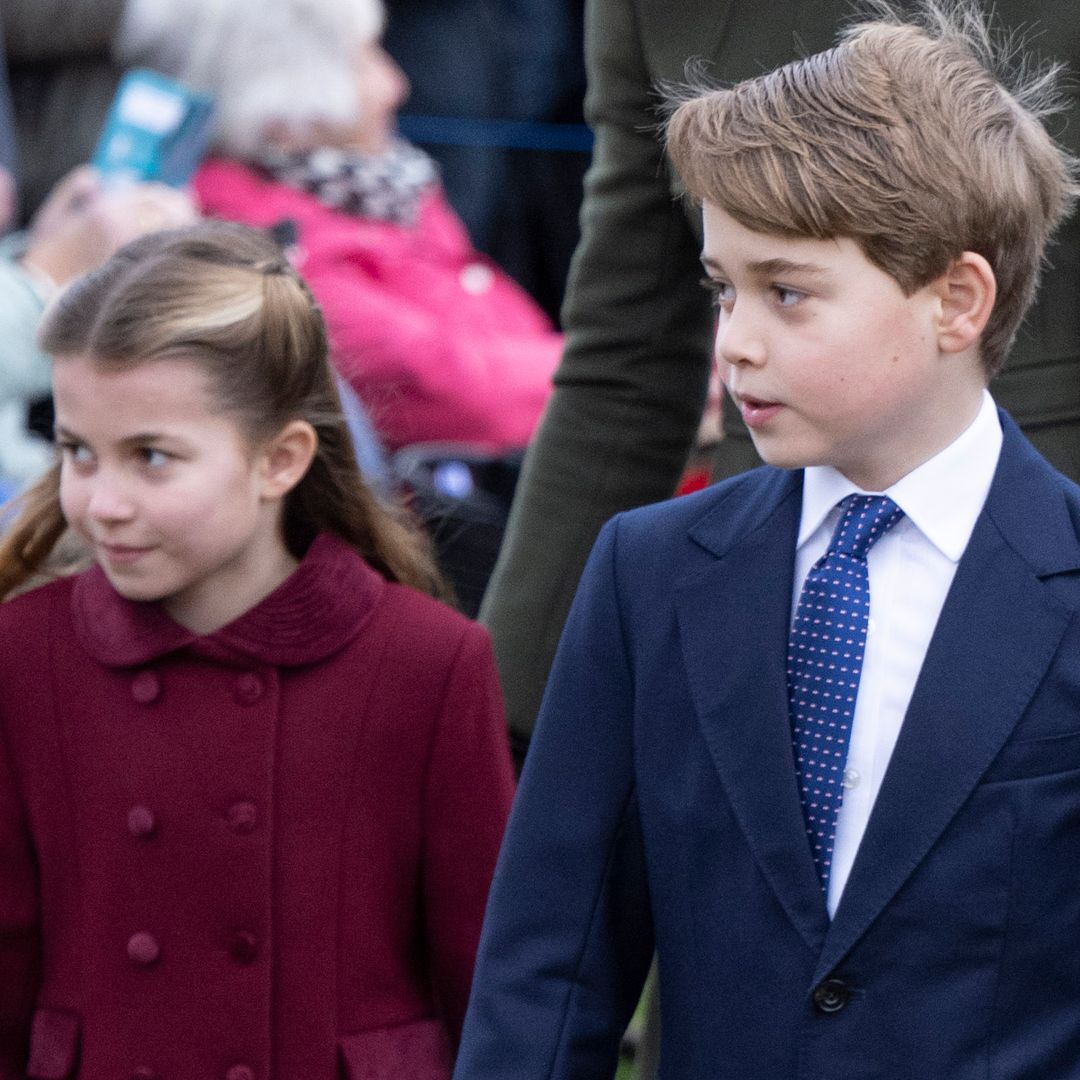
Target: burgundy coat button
143	1072
240	1072
243	947
141	822
143	949
145	687
242	818
248	689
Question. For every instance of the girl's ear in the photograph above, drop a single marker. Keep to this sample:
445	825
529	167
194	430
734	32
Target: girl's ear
967	291
287	457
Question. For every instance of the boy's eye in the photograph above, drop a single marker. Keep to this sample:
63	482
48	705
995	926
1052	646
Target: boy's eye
723	292
787	297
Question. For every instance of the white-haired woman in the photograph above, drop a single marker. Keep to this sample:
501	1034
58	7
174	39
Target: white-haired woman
439	344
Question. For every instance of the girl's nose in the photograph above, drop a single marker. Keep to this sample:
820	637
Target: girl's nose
108	502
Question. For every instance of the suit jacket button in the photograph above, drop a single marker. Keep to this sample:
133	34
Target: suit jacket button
141	822
240	1072
146	687
248	689
242	818
143	949
243	947
831	996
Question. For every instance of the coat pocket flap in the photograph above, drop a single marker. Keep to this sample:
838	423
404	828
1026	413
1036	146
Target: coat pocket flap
416	1051
54	1044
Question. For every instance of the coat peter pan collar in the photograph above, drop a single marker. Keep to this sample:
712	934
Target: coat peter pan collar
313	614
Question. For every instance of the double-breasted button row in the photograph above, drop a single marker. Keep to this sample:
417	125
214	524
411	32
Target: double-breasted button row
248	688
243	946
241	818
146	687
234	1072
141	822
143	948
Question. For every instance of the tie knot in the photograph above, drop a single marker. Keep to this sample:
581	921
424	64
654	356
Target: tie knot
864	521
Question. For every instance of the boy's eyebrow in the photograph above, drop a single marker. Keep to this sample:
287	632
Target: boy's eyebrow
770	267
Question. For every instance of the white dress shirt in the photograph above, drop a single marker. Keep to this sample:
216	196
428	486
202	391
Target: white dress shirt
911	569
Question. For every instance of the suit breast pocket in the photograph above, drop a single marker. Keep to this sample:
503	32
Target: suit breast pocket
1024	759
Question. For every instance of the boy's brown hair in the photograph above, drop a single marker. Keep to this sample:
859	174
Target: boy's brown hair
912	138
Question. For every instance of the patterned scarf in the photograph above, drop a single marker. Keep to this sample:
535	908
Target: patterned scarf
386	187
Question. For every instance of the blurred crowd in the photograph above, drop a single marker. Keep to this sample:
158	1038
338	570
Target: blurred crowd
439	268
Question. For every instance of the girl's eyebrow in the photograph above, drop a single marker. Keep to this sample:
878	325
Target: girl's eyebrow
136	439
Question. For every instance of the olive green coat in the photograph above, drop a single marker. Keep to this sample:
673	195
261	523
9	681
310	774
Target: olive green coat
632	382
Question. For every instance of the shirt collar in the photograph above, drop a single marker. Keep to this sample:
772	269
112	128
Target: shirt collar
942	497
314	613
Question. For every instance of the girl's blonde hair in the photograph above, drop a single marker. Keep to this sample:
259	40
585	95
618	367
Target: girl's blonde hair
223	296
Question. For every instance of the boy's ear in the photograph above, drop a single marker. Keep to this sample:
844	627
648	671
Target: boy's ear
286	457
967	291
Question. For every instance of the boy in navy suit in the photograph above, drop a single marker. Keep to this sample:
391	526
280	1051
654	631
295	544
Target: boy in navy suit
814	734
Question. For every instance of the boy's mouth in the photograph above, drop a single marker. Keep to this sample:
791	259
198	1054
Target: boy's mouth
756	412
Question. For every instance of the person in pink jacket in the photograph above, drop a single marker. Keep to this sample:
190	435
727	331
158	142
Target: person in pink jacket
252	779
440	344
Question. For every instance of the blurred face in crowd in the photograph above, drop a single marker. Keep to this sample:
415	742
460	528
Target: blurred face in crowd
382	89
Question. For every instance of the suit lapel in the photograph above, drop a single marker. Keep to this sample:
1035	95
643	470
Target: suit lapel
996	637
733	617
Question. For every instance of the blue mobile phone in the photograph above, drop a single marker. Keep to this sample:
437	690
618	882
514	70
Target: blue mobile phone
157	129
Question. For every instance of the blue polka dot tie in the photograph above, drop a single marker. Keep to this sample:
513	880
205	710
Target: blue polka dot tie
824	662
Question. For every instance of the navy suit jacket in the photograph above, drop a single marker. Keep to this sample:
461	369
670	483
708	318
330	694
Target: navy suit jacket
659	807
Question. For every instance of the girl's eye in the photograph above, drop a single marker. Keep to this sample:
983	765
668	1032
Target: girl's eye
787	297
723	292
155	458
75	452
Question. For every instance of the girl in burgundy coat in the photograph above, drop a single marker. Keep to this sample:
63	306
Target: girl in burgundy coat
252	780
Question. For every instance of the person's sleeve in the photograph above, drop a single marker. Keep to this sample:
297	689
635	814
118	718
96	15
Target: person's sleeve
568	935
467	795
8	154
27	370
418	372
19	927
631	387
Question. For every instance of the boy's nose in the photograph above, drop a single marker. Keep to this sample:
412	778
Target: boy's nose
737	340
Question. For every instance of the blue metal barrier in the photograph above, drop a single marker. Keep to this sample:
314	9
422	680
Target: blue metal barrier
503	134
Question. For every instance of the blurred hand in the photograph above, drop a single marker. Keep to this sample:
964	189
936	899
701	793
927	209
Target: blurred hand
83	221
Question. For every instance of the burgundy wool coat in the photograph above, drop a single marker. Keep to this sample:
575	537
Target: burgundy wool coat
261	854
